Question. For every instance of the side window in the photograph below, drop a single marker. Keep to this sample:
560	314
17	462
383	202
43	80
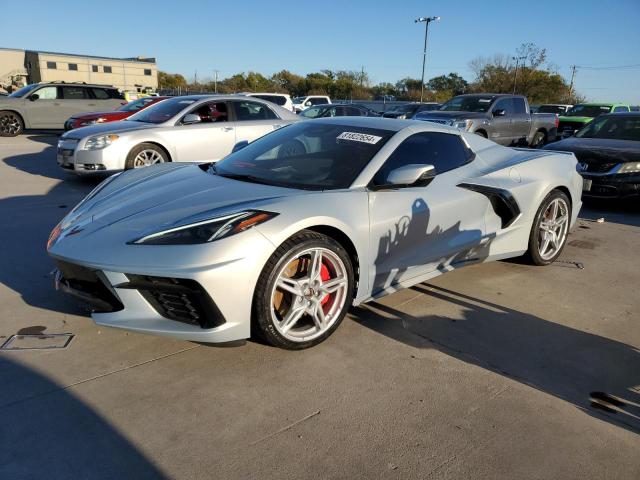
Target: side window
47	93
620	109
94	68
444	151
212	112
246	111
100	94
519	106
114	93
147	71
106	69
74	93
73	66
318	101
503	104
52	65
354	112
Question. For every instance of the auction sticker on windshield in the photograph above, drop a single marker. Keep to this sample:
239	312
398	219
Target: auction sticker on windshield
359	137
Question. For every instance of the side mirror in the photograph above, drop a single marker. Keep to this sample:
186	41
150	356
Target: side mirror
33	97
307	104
191	118
411	176
239	146
499	113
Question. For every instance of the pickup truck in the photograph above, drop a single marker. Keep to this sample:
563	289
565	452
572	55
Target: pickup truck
505	119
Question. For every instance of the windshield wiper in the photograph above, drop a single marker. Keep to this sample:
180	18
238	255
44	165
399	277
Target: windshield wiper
244	178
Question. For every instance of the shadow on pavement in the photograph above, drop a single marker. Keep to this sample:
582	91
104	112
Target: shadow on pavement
625	211
570	364
49	433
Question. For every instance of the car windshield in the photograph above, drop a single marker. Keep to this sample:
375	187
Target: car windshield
162	111
305	155
559	109
625	127
404	108
298	99
23	91
588	110
313	112
467	104
136	105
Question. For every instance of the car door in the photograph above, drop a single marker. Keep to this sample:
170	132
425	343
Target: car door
520	120
75	99
501	126
209	140
253	120
43	107
417	230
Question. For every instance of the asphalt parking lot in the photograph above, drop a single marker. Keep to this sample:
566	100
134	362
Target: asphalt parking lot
488	372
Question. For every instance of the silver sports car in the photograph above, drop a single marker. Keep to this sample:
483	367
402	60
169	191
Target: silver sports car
281	237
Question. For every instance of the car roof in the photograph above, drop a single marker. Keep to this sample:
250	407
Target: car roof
488	95
621	114
382	123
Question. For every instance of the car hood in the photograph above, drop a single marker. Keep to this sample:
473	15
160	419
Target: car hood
437	114
599	150
143	201
80	133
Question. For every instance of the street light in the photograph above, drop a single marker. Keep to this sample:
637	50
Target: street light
426	21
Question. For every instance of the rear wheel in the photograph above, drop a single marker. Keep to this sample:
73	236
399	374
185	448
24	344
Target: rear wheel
538	140
144	155
482	133
11	124
550	229
304	291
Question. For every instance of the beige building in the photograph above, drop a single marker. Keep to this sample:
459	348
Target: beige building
12	68
127	74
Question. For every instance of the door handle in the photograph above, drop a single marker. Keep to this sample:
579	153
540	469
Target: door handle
227	129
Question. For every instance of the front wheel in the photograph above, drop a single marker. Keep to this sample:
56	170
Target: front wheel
11	124
304	291
144	155
550	229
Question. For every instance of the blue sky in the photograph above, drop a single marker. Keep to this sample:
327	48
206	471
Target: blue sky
304	36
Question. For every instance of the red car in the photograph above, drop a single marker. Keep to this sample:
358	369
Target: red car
84	119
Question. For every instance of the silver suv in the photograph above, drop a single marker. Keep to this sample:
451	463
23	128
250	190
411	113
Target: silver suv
49	105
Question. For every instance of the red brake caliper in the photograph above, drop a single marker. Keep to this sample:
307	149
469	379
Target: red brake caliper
324	276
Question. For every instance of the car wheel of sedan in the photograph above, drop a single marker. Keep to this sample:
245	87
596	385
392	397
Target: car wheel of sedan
144	155
550	229
11	124
304	291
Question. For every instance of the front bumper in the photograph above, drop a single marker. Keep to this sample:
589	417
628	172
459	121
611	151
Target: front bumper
611	186
73	158
171	297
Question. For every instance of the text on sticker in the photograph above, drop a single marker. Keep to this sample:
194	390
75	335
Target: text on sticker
359	137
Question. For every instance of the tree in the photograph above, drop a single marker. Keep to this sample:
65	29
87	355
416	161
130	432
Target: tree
453	84
289	82
171	80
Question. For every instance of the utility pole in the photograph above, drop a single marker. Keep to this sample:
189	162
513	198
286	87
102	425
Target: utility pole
426	21
573	75
215	81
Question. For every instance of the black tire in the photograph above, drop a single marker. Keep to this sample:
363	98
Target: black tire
533	255
482	133
263	325
538	140
11	124
135	151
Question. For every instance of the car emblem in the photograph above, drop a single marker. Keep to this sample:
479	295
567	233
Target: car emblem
582	167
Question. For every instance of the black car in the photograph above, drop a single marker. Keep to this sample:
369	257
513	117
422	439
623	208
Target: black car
408	110
608	153
338	110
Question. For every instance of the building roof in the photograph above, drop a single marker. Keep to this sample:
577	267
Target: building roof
77	55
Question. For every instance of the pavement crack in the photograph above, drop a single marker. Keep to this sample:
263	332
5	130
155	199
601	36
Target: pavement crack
288	427
102	375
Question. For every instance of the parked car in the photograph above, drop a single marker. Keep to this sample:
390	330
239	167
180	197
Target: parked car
505	119
282	237
337	110
557	108
608	152
579	115
300	103
125	111
49	105
281	99
409	110
196	128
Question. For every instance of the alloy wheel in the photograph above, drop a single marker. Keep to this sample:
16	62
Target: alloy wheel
147	157
10	124
553	228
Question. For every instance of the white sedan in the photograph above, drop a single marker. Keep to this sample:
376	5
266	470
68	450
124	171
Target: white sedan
198	128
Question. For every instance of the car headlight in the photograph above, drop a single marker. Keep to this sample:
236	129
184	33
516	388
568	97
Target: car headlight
402	117
630	167
207	230
463	125
91	122
100	141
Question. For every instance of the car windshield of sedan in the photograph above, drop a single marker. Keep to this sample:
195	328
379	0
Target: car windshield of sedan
305	155
467	104
613	128
588	110
23	91
161	111
137	104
